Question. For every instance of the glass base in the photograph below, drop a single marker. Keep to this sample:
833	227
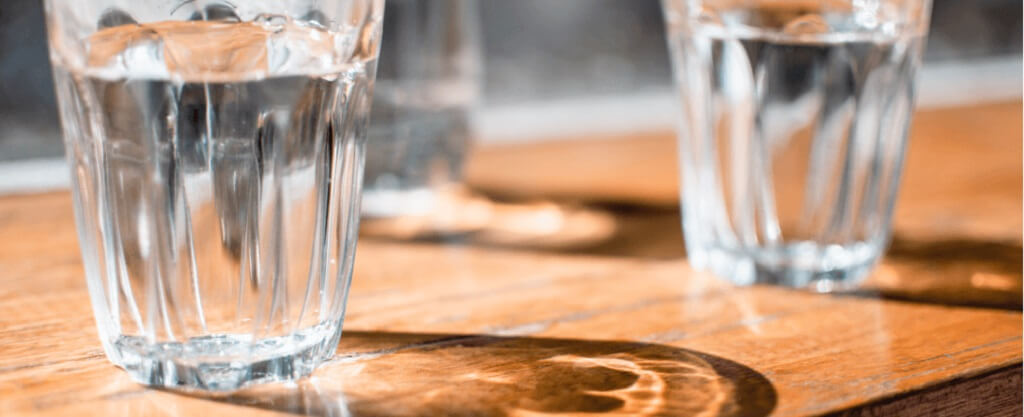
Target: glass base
225	363
808	265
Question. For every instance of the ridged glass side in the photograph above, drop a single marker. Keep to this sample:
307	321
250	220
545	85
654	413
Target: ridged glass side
217	220
791	145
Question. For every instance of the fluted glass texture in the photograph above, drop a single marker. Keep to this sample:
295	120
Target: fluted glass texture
217	156
792	129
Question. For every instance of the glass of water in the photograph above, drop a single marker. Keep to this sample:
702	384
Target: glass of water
792	129
217	153
429	77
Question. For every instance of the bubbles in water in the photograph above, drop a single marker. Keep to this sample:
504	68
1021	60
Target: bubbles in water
272	22
808	24
114	17
127	47
213	50
216	11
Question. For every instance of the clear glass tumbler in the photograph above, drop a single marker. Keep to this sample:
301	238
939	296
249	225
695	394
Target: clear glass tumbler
428	79
217	154
792	131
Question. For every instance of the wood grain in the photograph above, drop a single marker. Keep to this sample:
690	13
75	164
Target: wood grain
962	175
612	323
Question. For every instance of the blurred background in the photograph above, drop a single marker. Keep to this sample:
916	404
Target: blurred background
573	147
557	54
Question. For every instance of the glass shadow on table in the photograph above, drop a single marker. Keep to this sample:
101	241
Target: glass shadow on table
949	271
961	272
409	374
541	225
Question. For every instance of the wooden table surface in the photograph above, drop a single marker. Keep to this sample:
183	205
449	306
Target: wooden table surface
579	301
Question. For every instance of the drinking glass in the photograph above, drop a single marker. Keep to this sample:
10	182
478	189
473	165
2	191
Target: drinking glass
429	77
792	130
216	152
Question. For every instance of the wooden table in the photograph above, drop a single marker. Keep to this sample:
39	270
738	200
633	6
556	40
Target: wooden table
598	314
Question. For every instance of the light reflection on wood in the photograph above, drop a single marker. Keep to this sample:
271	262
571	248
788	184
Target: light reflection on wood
415	340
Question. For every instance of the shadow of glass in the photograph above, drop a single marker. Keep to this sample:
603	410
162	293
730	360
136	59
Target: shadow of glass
961	272
539	225
463	217
406	374
951	272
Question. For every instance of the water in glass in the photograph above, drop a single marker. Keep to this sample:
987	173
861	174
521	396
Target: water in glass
792	137
217	167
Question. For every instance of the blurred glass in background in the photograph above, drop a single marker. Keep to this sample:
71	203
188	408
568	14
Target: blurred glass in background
428	79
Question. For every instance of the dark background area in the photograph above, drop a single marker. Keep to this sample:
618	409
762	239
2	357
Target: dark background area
534	50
